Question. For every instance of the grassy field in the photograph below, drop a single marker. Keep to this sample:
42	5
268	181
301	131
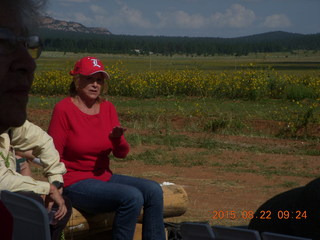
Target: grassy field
210	115
230	154
283	61
291	107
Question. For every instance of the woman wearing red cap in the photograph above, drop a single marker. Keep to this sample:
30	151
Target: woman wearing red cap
85	129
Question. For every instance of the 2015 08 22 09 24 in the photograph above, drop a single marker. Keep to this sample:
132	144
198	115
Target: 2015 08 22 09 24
263	214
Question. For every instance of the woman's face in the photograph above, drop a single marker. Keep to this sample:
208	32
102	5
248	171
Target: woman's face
90	87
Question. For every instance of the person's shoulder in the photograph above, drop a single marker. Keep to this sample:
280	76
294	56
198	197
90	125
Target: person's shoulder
106	103
314	185
108	108
64	103
63	107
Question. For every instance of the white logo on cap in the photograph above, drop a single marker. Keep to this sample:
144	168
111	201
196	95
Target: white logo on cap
95	62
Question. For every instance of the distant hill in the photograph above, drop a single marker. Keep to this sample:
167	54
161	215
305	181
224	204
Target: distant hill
271	36
75	37
65	26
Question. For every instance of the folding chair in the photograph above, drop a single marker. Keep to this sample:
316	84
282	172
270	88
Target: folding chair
6	223
278	236
235	233
196	231
30	218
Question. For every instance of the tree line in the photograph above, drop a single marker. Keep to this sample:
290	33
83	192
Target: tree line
54	40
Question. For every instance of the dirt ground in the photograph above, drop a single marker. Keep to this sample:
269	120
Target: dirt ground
214	189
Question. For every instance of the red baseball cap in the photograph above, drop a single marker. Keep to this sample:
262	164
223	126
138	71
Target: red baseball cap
87	66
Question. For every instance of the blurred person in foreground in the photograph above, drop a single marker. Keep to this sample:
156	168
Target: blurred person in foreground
18	50
295	212
85	129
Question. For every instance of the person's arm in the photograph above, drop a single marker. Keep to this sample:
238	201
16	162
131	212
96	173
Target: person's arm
58	129
11	180
31	137
14	182
22	162
119	143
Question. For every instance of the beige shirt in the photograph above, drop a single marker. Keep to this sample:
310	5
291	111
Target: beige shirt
24	138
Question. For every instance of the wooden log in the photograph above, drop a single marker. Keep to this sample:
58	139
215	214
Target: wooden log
175	204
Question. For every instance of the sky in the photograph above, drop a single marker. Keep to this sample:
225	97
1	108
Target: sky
191	18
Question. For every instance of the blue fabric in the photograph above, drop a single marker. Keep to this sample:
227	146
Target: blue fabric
126	196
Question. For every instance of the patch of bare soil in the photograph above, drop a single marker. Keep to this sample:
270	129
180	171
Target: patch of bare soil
41	117
213	189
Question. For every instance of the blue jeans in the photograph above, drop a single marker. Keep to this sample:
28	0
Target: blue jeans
126	196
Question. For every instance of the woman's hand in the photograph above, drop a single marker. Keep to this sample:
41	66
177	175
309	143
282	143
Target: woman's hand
117	132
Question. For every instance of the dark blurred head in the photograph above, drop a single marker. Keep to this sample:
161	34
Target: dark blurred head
18	20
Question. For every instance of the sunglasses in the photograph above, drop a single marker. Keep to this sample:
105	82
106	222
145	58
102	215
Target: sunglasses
9	42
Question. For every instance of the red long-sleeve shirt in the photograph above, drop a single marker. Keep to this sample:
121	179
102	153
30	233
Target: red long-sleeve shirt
83	140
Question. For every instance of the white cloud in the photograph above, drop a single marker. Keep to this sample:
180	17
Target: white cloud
180	19
133	16
276	21
189	17
98	10
186	20
75	1
97	15
237	16
81	18
251	1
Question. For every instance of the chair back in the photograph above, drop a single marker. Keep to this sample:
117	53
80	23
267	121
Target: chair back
234	233
6	223
30	218
278	236
196	231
